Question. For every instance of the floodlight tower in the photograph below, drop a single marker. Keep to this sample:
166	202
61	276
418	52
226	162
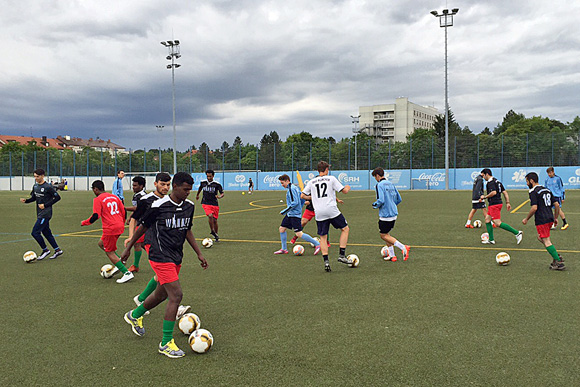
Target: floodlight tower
355	130
174	53
446	20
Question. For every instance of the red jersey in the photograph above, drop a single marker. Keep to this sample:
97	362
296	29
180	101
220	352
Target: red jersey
112	213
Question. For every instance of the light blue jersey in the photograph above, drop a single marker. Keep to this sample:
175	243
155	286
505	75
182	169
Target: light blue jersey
388	198
293	202
556	185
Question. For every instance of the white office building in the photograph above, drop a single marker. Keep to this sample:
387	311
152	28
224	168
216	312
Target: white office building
393	122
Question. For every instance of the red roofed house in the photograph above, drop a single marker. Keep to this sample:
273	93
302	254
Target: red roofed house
24	140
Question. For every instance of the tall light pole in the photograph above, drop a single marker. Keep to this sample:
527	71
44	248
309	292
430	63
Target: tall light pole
446	20
174	53
355	120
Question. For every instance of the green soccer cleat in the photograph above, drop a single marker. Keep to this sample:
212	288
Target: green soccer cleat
171	350
136	323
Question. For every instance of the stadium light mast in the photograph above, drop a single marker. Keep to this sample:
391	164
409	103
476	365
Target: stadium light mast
446	20
355	121
174	53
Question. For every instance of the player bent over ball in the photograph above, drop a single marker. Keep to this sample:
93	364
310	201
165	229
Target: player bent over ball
110	209
293	213
171	218
387	200
542	200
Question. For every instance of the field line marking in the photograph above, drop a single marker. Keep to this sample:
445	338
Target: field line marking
520	206
412	246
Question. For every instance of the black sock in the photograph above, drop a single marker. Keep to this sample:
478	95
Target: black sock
564	220
342	251
325	257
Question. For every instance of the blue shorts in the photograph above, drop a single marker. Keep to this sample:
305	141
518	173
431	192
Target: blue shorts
559	200
294	224
324	225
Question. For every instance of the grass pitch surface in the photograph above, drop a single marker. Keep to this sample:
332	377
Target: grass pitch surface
448	316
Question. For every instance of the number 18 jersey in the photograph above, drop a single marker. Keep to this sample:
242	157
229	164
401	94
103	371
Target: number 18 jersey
543	198
323	190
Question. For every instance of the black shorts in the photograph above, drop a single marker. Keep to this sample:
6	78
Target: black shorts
385	226
324	225
478	205
294	224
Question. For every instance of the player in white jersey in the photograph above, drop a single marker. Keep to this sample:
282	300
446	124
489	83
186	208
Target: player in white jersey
321	191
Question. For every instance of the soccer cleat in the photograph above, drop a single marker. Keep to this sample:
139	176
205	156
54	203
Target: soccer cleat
56	254
181	310
406	255
561	259
553	227
468	226
519	237
171	350
281	251
564	227
488	242
343	259
216	236
317	250
555	265
134	269
392	259
327	266
136	323
293	240
137	302
43	255
128	276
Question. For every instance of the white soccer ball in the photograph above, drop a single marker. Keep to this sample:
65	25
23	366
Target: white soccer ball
298	250
502	258
201	340
477	223
107	270
188	323
29	256
207	243
384	251
317	239
354	259
484	237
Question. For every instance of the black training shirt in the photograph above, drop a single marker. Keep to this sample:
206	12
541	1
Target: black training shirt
43	194
494	185
543	198
210	191
168	223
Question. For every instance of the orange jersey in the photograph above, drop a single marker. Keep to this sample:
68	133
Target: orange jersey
112	213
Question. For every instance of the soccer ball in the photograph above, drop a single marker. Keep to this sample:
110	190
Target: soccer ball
243	193
385	251
502	258
484	237
108	270
29	256
298	250
189	323
207	243
354	259
201	340
317	239
477	223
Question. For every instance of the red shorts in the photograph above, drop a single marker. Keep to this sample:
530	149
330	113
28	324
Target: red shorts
544	230
110	242
147	247
211	210
308	214
495	211
166	271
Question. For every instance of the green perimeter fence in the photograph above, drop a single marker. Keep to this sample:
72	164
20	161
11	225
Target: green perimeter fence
427	153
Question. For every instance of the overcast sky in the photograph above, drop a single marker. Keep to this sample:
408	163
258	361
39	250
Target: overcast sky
96	68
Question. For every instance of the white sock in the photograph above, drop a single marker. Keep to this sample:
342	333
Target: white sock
400	246
468	222
391	250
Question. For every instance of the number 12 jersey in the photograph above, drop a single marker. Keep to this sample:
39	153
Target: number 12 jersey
323	190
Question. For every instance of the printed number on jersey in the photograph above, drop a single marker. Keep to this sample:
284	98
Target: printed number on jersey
547	199
113	207
321	190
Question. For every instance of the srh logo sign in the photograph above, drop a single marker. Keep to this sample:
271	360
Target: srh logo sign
345	178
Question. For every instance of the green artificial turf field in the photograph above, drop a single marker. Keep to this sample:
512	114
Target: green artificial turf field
447	316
